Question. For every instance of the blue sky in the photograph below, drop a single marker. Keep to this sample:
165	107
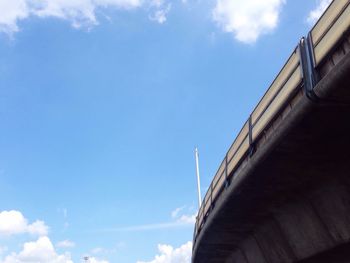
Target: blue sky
102	103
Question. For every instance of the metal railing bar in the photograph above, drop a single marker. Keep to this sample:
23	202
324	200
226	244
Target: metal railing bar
239	147
331	24
279	73
276	93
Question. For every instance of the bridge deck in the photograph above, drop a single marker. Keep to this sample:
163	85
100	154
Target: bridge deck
305	149
285	163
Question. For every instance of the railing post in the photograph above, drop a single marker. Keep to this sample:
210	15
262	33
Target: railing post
211	196
226	175
250	136
195	231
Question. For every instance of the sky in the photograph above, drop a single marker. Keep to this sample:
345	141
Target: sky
102	103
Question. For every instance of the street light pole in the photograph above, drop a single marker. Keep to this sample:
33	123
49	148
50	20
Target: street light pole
198	179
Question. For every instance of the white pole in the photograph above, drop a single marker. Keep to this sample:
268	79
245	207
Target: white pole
198	180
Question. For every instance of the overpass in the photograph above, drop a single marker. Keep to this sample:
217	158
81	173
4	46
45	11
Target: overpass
282	191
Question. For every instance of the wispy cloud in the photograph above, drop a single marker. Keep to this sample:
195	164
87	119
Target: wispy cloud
178	219
247	19
65	244
188	219
184	214
316	13
80	13
160	15
3	249
64	212
146	227
103	251
175	213
95	260
98	250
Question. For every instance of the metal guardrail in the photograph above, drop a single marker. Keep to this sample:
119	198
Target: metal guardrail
299	71
329	29
286	82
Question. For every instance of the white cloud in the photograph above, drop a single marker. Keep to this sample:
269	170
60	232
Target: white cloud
167	254
13	222
41	251
247	19
181	217
176	211
10	12
315	14
160	15
80	13
65	244
187	219
38	228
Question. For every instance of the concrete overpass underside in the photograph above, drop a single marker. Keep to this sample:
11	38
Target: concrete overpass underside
291	201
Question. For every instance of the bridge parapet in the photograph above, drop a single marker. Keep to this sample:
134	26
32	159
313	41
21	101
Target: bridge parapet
305	67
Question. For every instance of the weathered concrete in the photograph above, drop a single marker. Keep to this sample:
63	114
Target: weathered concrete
302	228
291	201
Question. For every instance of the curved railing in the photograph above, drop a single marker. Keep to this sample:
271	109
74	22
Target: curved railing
299	71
